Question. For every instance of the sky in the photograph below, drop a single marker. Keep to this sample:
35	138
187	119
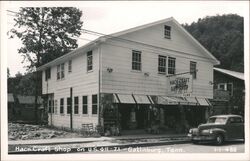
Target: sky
109	17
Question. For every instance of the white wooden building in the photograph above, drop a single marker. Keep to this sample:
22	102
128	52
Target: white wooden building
120	78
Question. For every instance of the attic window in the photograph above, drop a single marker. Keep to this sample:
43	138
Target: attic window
167	32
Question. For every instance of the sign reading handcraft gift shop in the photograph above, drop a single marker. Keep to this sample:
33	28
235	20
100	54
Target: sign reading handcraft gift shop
180	85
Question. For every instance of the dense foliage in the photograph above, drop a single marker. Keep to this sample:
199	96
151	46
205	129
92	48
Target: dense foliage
24	84
223	36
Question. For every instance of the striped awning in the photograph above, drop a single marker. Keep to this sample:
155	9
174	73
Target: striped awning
192	101
142	99
203	102
164	100
124	98
171	100
132	99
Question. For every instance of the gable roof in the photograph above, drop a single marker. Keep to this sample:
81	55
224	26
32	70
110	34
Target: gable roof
182	29
102	38
231	73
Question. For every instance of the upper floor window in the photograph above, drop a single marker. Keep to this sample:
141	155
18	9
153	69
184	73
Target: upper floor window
162	64
167	32
136	60
60	71
171	65
70	66
89	61
193	69
47	74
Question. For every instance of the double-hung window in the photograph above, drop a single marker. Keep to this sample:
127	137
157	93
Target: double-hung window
94	104
193	70
136	60
84	104
58	73
167	32
61	106
70	66
89	61
47	74
69	105
76	105
162	64
171	65
62	70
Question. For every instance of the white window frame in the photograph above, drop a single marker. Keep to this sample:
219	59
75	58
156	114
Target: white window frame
76	105
85	104
193	71
171	65
95	104
70	66
136	60
89	60
167	32
58	73
162	64
47	73
62	71
61	106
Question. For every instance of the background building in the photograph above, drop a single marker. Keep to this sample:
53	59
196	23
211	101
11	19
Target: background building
229	92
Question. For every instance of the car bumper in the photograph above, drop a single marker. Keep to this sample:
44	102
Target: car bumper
201	137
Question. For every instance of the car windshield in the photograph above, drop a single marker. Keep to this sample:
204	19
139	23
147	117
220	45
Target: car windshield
217	120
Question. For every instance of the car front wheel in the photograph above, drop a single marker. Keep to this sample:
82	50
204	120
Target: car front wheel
219	139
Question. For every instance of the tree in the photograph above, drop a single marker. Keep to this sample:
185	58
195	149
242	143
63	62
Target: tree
46	33
223	36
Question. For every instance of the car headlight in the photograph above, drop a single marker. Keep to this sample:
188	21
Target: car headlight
190	131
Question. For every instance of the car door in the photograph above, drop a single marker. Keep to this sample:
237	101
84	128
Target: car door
235	128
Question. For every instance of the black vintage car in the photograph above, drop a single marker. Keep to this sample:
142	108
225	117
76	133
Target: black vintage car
218	129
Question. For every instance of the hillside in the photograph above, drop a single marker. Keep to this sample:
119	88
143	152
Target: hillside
223	36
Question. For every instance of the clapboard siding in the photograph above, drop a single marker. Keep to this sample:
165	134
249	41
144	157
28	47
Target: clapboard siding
154	35
63	120
118	56
83	83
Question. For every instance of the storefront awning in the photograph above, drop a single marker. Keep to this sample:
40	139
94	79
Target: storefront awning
124	98
141	99
164	100
192	101
171	100
203	101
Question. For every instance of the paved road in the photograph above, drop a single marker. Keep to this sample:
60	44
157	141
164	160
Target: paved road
231	147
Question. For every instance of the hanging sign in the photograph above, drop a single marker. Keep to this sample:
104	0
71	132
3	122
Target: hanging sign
180	85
